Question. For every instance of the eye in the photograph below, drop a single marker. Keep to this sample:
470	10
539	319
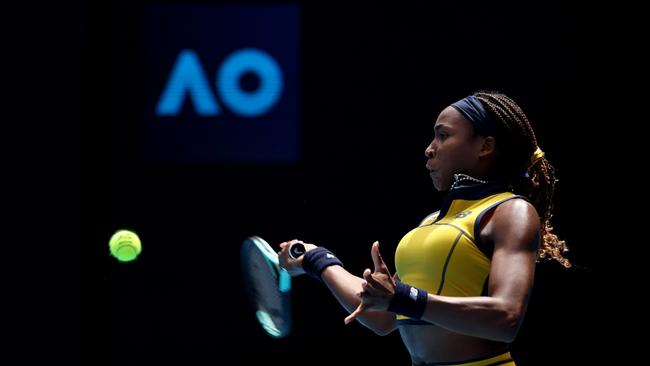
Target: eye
442	135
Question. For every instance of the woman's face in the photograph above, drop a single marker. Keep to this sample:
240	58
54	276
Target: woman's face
454	149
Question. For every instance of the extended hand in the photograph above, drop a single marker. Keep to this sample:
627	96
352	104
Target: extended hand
293	266
377	289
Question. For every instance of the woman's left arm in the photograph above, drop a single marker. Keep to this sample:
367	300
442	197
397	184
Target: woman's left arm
498	316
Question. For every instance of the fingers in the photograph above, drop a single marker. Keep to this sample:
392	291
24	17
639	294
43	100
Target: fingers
367	275
284	244
360	309
284	247
380	266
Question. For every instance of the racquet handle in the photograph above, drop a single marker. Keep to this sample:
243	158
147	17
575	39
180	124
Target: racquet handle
296	250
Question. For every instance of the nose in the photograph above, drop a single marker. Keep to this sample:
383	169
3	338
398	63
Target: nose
429	152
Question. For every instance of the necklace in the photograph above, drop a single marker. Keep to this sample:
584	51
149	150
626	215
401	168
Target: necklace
462	179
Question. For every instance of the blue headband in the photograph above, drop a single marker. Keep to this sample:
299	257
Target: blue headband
473	110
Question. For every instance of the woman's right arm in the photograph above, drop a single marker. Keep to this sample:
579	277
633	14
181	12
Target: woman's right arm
344	286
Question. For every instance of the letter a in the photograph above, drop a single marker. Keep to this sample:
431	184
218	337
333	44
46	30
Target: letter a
187	77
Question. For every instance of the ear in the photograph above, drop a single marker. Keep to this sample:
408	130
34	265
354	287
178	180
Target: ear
488	146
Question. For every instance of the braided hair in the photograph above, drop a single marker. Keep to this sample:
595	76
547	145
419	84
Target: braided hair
533	178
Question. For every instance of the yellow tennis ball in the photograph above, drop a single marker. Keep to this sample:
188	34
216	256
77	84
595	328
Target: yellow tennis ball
125	245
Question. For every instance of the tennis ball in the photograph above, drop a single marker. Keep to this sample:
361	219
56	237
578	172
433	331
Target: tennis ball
125	245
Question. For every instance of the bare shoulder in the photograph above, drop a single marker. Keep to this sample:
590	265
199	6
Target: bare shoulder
516	211
516	223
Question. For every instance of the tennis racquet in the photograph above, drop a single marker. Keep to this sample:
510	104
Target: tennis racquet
268	285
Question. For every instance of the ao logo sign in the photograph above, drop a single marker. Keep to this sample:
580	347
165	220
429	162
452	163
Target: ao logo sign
188	78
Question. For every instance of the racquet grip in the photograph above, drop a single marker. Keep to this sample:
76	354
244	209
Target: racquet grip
296	250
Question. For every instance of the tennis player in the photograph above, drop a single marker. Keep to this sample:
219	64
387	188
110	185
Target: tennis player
464	275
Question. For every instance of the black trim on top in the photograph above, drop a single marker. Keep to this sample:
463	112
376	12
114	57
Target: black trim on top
455	227
488	250
501	362
474	360
473	192
444	270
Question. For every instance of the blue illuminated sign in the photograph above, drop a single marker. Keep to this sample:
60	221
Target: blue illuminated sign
222	82
188	77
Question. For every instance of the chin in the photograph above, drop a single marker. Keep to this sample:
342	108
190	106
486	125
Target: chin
436	185
441	187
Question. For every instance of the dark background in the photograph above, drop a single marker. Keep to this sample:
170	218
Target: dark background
373	79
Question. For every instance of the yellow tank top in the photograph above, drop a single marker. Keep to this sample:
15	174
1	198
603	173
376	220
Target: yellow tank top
444	254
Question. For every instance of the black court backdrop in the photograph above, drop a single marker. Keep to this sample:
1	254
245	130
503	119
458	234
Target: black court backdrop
363	89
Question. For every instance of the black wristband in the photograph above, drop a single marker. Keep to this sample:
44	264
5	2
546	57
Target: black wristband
408	300
317	259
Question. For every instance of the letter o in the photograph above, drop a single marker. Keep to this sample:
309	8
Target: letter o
250	104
